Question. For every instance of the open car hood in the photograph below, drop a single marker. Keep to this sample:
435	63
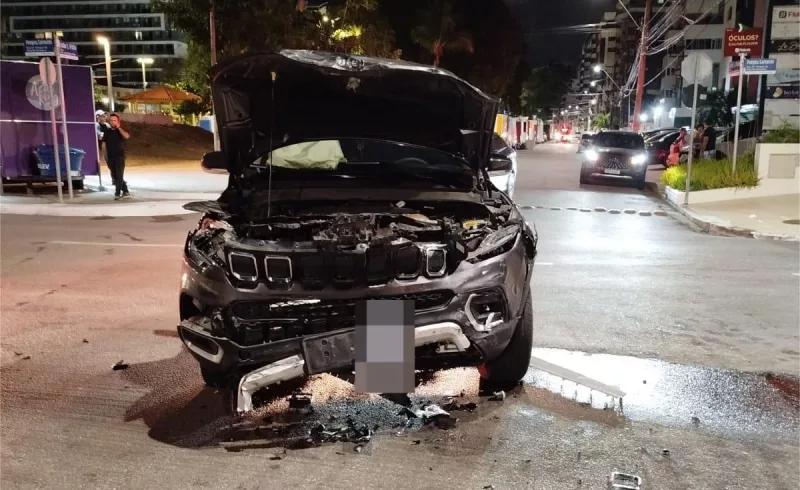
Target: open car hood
269	101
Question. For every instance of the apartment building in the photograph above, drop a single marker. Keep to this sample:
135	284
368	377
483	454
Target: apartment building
133	28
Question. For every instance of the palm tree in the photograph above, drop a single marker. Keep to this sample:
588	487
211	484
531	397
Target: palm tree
437	32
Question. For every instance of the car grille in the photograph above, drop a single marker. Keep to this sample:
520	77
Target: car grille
269	321
614	161
345	270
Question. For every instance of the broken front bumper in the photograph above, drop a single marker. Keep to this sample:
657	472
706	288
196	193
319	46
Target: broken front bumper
447	335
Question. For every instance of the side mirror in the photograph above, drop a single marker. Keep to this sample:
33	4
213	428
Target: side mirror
214	162
499	163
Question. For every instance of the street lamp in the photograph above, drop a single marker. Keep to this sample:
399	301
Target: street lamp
594	101
643	117
102	40
597	68
143	62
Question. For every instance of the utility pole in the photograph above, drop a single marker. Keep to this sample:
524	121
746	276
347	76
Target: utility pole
648	10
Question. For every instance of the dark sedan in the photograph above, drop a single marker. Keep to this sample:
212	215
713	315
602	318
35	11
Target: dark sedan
658	147
618	154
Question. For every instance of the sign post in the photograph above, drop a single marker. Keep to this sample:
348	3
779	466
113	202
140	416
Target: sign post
48	73
742	42
68	51
695	68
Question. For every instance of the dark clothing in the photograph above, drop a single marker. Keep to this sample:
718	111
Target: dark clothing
711	134
117	166
115	143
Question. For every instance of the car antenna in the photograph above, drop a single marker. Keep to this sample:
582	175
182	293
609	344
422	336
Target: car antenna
271	132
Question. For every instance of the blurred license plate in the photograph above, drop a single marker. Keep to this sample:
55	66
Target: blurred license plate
612	171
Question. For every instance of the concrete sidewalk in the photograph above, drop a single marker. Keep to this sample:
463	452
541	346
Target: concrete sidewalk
157	190
166	181
775	218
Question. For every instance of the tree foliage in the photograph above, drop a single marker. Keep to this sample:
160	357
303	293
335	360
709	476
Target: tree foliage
717	108
437	31
601	121
544	88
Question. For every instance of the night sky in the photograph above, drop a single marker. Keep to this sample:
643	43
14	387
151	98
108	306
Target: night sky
538	14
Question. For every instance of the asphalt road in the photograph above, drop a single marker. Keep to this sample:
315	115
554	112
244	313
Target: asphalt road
700	331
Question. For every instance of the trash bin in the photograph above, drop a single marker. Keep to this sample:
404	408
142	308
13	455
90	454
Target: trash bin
46	160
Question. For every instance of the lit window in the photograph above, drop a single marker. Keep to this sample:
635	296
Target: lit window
138	35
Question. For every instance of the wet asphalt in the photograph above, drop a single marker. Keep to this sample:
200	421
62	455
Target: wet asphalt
701	333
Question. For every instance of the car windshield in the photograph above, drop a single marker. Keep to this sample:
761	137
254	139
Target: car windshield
628	141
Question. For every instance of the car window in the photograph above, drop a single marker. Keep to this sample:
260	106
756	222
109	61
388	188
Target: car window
586	137
628	141
497	143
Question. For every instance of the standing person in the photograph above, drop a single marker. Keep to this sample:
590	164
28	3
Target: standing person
101	121
114	137
708	143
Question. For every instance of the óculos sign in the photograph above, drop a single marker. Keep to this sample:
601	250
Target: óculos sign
742	42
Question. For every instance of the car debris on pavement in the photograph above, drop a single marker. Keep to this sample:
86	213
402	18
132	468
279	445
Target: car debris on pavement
625	481
120	365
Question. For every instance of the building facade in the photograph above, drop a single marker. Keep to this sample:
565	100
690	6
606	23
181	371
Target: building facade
134	30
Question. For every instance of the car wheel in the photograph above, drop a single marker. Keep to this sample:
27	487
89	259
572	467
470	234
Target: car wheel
214	379
508	369
585	176
641	182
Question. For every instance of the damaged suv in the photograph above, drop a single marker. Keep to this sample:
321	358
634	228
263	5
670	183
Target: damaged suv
352	178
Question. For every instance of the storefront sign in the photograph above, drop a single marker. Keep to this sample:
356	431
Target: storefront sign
784	92
786	14
784	45
742	42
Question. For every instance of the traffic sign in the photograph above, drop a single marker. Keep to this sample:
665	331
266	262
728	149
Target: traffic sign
760	66
738	42
697	68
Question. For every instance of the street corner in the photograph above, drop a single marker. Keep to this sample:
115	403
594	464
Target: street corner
717	226
90	206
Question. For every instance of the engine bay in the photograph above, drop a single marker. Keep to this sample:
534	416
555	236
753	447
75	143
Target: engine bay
351	242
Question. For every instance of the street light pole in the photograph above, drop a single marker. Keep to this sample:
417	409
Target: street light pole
104	41
143	62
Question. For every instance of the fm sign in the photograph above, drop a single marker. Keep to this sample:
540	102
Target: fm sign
742	42
788	14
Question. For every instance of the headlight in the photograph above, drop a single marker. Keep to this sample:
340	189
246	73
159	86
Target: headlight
591	155
639	159
496	243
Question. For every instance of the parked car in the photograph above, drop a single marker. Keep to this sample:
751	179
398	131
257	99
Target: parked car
504	180
586	141
655	132
328	208
658	147
618	154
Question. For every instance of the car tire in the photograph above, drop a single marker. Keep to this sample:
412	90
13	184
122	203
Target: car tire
585	176
507	370
641	182
214	379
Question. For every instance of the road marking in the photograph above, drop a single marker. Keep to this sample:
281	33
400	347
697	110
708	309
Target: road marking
796	273
630	211
659	212
544	263
116	244
645	213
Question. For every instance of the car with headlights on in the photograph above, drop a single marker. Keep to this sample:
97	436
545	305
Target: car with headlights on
504	180
616	154
352	179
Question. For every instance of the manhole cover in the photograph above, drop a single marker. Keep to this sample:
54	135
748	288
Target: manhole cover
792	221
